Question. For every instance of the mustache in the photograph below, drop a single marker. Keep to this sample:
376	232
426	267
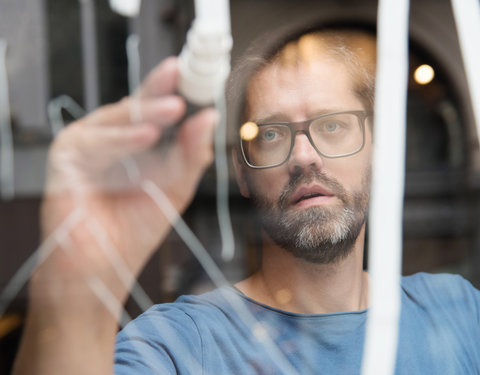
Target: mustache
314	175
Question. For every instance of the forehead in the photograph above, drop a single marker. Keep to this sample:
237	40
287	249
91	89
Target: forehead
300	91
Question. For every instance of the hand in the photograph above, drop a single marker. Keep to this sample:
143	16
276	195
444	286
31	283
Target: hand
95	172
98	163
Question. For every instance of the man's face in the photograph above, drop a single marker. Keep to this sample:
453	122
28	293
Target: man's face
312	206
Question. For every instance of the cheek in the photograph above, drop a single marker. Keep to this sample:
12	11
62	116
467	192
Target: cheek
267	182
351	171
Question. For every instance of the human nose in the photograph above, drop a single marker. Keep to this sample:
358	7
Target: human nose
304	155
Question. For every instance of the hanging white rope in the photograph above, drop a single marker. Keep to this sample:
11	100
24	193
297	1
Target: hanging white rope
89	54
467	20
204	65
7	171
54	111
386	207
127	8
221	164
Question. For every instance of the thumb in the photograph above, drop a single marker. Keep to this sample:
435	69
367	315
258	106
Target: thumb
196	138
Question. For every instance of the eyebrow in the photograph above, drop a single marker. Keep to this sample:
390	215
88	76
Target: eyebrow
281	117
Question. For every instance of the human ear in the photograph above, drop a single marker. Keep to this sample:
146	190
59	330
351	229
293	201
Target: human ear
239	167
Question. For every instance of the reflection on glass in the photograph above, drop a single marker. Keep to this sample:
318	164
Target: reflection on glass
424	74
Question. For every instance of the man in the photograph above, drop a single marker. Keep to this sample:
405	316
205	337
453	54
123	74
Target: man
304	158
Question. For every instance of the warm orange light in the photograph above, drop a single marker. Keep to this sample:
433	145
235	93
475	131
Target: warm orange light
424	74
248	131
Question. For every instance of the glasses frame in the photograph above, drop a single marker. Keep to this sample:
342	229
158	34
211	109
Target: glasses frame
304	127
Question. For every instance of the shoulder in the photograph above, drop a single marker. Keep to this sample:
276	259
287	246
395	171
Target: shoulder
182	319
442	291
449	283
439	325
182	314
169	336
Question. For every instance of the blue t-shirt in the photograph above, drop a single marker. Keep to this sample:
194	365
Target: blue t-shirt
225	332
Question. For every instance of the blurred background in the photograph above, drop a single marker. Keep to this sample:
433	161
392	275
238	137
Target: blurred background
44	60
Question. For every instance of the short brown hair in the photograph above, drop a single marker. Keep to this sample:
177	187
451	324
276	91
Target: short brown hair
356	48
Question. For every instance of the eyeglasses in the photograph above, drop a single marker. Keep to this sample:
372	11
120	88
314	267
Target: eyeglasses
333	135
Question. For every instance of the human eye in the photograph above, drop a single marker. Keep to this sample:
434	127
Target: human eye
271	134
330	126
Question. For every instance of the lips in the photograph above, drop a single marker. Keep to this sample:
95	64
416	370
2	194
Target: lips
310	193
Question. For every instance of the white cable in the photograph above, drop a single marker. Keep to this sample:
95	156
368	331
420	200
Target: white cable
386	207
133	58
204	65
204	62
89	54
174	218
7	167
38	257
467	20
221	164
127	8
113	305
54	111
213	15
96	285
120	267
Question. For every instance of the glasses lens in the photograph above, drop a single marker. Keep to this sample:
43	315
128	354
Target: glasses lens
337	134
269	146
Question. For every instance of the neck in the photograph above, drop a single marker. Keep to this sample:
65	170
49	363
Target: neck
295	285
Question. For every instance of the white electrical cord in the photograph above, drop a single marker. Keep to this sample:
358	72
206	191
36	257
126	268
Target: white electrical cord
467	20
54	111
7	171
127	8
89	55
133	58
96	285
204	65
215	9
204	62
221	165
22	275
386	208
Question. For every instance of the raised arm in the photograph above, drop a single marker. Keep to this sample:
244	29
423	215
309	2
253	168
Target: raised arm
95	170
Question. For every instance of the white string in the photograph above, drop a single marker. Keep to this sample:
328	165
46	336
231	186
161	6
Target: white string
54	110
174	218
386	207
127	8
37	258
133	58
192	242
7	164
96	285
111	302
213	15
221	165
181	227
212	18
89	54
467	21
120	267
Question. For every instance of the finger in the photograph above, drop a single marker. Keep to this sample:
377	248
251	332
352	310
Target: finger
195	138
187	158
162	80
162	111
114	141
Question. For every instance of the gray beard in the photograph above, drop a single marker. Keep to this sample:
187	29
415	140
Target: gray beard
322	235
